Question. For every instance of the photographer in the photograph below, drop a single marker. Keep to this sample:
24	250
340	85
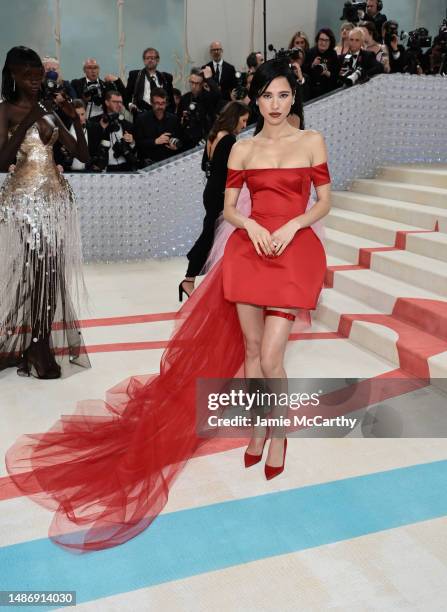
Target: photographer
296	61
373	14
240	94
397	53
117	152
157	132
141	83
93	134
358	65
198	107
321	64
91	88
435	59
254	60
56	88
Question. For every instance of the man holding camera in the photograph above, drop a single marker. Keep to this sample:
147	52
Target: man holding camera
116	152
141	83
373	13
157	131
198	107
91	88
358	64
397	52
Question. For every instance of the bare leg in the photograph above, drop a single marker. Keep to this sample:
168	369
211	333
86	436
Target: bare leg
251	319
274	341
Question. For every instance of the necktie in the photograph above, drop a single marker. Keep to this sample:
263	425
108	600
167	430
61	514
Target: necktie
152	82
217	74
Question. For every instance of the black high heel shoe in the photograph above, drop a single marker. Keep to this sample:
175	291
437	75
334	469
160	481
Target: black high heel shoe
182	290
38	361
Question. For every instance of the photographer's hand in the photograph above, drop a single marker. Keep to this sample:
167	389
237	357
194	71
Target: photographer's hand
67	107
103	124
110	78
316	62
163	139
128	137
394	43
207	72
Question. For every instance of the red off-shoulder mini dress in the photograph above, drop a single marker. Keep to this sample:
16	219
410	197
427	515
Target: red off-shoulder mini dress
295	278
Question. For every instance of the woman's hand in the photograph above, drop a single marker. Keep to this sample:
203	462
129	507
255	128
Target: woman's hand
67	107
260	237
283	236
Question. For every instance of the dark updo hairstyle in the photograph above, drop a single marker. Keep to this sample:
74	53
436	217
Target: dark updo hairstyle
228	118
17	56
264	75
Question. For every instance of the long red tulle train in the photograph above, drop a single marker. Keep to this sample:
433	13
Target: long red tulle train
106	471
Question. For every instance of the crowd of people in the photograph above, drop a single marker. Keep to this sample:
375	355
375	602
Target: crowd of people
148	120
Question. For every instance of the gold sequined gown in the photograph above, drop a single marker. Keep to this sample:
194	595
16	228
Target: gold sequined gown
40	264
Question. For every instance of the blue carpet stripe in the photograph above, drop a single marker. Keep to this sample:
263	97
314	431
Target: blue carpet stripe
208	538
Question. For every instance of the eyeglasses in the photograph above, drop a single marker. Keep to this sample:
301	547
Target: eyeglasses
324	39
152	57
217	49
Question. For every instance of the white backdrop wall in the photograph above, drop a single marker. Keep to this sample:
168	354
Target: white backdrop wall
230	22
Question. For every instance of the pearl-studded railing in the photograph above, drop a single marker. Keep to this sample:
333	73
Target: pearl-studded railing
392	119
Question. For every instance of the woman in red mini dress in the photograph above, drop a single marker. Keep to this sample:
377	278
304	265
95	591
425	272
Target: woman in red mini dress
274	264
107	469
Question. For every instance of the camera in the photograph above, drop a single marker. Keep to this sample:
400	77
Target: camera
348	74
51	85
288	54
100	161
351	11
391	31
240	89
192	115
320	68
93	93
419	38
113	121
175	142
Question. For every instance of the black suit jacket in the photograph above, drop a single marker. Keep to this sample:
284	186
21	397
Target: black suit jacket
79	84
227	78
135	88
148	128
367	60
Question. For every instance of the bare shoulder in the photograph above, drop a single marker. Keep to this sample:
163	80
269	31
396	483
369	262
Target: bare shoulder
313	137
239	153
317	146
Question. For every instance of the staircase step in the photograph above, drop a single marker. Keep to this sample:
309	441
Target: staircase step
418	194
378	290
346	246
406	212
334	304
433	244
373	228
419	174
412	268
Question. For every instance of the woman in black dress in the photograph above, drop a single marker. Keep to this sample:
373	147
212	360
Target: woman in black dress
221	138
